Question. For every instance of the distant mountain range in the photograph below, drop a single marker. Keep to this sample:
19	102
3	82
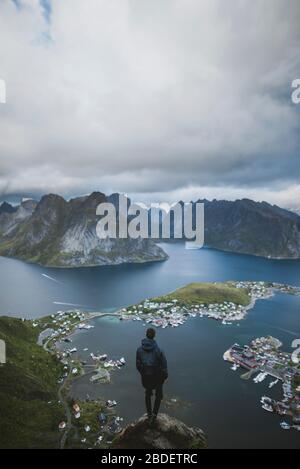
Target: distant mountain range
253	228
56	232
248	227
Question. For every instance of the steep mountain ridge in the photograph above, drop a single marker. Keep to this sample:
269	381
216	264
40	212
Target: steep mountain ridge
63	234
249	227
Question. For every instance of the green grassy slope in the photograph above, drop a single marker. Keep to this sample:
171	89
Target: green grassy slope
28	382
208	293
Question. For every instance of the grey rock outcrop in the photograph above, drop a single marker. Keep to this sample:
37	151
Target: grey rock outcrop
166	433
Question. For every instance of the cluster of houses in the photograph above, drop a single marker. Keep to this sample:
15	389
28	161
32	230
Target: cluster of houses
62	324
164	314
264	358
155	313
263	290
108	363
104	366
109	425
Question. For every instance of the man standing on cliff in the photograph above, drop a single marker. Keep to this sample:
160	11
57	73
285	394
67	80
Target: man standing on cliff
152	365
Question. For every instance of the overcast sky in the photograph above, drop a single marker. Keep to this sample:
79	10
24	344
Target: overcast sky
161	99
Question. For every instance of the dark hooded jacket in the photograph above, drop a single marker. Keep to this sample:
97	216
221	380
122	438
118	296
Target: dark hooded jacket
151	361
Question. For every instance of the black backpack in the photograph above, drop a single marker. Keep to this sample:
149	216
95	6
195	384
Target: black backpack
151	362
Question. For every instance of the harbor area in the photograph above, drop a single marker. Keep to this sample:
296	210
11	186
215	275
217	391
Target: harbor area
264	359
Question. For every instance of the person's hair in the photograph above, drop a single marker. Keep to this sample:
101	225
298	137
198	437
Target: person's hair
150	333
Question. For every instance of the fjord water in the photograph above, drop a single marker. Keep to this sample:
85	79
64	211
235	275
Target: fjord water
214	397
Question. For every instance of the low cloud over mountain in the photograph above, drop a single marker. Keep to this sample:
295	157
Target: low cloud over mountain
151	98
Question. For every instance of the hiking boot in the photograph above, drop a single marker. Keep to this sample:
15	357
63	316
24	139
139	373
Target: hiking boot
153	420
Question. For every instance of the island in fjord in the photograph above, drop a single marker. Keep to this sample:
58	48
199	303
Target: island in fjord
227	302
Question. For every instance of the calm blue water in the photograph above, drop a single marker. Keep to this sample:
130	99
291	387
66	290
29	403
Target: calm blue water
225	406
25	291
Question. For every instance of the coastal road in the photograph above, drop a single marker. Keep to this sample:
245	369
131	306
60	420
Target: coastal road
63	402
67	412
61	388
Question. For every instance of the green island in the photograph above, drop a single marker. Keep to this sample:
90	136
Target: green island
226	302
208	293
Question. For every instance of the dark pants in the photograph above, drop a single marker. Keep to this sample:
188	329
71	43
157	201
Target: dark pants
153	383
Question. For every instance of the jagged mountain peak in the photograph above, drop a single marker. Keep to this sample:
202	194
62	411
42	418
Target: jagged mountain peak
5	207
51	199
63	234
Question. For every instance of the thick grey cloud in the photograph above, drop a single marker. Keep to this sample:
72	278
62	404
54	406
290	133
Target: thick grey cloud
159	99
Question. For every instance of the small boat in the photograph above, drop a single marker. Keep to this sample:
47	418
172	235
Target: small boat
271	385
285	426
267	401
85	326
99	357
260	378
268	408
235	367
110	403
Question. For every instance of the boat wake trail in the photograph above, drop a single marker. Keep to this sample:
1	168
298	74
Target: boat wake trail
72	304
287	331
50	278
